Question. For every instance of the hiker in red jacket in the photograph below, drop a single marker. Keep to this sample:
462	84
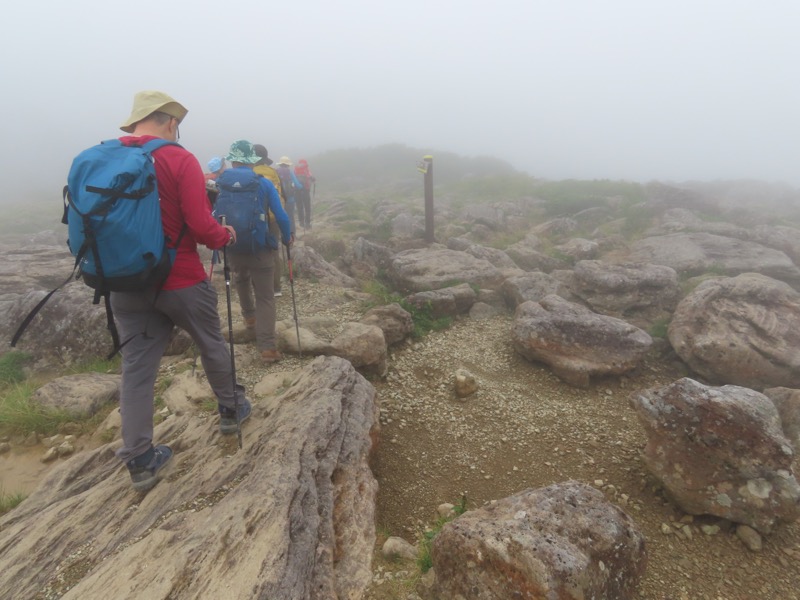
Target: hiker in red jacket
146	319
303	195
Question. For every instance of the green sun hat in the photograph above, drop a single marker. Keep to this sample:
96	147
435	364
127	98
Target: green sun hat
243	151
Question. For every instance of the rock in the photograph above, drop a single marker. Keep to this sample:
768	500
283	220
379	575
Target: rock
698	253
749	538
446	510
5	447
627	290
419	270
316	334
787	401
743	330
445	302
395	322
397	547
69	329
498	258
65	449
50	455
579	249
533	287
308	263
562	541
364	346
480	311
720	451
300	491
465	383
575	342
82	395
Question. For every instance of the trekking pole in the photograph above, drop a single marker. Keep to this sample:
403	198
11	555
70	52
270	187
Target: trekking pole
227	270
294	303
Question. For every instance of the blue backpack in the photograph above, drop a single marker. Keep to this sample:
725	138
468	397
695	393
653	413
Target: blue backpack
240	204
114	218
113	213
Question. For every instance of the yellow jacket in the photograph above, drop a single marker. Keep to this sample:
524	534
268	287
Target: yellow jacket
271	174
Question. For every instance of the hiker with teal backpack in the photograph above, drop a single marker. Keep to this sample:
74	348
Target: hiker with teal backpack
248	201
185	298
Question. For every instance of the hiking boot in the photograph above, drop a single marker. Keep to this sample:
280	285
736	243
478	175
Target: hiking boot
271	356
278	293
227	416
144	469
250	323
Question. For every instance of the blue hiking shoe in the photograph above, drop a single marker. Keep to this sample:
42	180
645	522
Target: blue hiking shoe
227	416
144	469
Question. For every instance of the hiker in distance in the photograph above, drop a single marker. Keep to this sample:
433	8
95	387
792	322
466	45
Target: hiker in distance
264	167
248	201
289	184
146	318
303	194
215	167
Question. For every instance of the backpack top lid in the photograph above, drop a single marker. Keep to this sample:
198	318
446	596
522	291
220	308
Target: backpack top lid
238	179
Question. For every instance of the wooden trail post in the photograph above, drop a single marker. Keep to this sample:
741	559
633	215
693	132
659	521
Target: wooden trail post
426	168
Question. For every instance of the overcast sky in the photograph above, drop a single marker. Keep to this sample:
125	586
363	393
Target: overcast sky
612	89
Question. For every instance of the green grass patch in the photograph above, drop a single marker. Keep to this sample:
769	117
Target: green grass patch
571	196
19	414
9	501
659	328
424	560
97	365
11	367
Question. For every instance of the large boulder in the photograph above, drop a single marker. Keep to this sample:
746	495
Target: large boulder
575	342
743	330
446	302
69	329
699	253
534	287
82	394
627	291
395	322
307	262
787	402
291	515
720	451
419	270
562	541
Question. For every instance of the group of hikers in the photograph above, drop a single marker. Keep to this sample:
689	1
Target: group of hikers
253	206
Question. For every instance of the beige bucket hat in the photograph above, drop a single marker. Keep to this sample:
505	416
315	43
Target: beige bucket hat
285	161
149	101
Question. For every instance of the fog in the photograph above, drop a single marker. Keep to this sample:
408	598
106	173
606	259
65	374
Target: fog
701	89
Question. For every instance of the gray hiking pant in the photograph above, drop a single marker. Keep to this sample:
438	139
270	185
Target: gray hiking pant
148	327
252	275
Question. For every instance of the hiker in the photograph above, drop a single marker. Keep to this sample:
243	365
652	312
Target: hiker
215	166
289	184
303	195
264	167
147	318
245	193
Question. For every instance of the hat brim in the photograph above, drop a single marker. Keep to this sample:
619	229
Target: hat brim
171	107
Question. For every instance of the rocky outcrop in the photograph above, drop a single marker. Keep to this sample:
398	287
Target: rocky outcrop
445	302
534	287
787	402
635	292
562	541
743	330
720	451
81	395
698	253
395	322
420	270
309	263
364	346
289	516
69	329
575	342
